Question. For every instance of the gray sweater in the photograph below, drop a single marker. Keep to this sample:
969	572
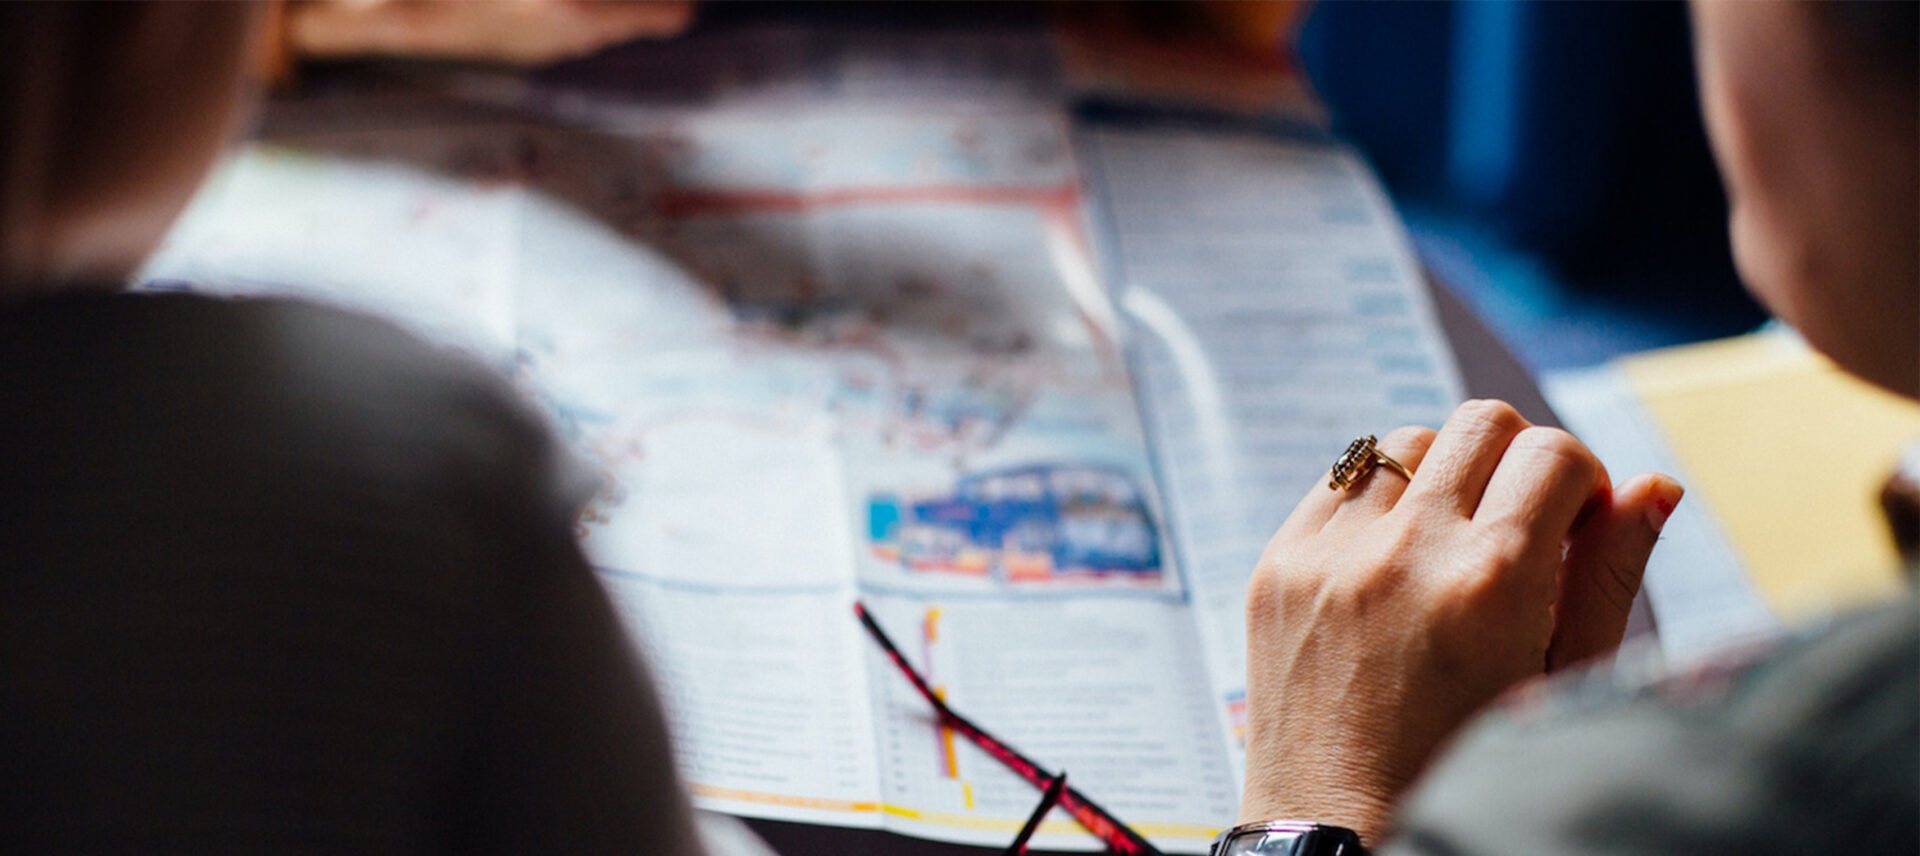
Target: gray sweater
1807	745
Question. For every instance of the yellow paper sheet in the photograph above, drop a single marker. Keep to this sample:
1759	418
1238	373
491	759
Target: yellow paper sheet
1790	454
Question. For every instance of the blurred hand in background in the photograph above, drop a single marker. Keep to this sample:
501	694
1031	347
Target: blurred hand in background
517	32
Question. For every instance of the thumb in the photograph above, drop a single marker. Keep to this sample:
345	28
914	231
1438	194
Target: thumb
1606	557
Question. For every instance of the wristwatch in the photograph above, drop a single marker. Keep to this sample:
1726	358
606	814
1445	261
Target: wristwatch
1287	838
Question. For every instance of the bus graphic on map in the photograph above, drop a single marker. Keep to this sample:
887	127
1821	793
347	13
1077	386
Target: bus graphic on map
1026	524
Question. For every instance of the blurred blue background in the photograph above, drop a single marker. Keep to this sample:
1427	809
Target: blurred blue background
1550	163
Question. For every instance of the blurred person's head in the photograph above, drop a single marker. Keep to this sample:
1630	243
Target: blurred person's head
110	115
1811	107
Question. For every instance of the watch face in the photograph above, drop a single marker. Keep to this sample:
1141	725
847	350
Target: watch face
1287	838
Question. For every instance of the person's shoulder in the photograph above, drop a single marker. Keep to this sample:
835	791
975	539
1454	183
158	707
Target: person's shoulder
292	399
1767	748
190	341
299	541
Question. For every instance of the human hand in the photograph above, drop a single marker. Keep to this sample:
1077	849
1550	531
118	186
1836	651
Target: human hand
520	32
1380	618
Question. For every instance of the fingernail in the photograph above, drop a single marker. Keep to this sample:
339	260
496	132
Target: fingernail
1665	499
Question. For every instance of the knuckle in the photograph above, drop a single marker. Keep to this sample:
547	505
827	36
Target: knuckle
1263	594
1281	583
1490	415
1558	450
1547	437
1408	437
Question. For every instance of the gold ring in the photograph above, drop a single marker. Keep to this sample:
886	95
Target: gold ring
1359	459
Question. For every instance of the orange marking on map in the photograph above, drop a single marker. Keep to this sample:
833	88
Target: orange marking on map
946	740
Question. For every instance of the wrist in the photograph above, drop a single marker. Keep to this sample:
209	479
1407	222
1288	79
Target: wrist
1351	780
1366	813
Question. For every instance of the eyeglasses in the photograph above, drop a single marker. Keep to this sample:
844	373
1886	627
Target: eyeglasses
1116	835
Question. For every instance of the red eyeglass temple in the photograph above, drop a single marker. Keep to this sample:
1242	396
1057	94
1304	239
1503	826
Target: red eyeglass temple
1109	829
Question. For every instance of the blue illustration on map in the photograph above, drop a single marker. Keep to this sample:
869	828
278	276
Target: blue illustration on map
1022	525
